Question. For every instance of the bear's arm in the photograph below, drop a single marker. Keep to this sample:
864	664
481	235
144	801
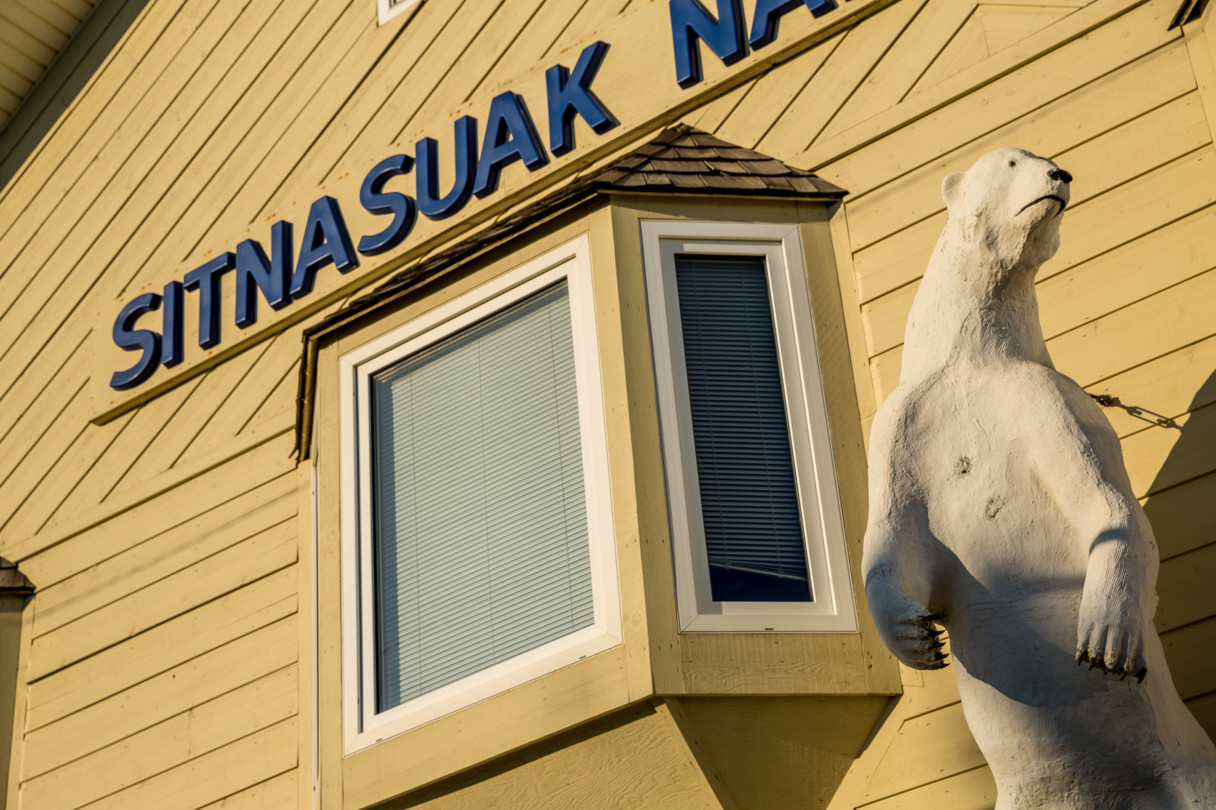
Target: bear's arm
1080	462
896	564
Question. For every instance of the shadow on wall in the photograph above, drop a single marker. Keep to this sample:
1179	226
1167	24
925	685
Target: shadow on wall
71	71
1182	509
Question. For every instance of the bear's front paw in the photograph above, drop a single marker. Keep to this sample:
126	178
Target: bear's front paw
907	628
1113	643
914	638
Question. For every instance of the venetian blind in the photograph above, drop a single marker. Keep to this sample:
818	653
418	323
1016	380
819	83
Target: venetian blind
481	544
749	501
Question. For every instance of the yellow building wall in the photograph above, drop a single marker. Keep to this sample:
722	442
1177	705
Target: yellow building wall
636	758
169	664
168	658
1125	103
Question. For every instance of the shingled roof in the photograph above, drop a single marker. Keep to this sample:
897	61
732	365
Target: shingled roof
13	581
687	160
679	160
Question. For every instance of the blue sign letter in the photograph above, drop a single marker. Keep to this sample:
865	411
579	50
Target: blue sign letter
377	201
425	152
724	36
325	240
764	24
206	280
171	348
570	94
131	339
510	136
270	276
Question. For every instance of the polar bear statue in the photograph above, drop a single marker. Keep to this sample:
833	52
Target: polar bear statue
1000	509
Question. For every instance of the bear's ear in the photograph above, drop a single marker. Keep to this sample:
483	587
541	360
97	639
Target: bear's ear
952	190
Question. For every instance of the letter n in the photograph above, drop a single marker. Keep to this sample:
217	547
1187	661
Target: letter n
691	21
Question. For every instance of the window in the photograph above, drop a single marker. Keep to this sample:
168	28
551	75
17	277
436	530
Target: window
387	9
480	550
758	535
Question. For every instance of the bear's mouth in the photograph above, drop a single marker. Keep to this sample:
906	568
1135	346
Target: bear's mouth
1055	197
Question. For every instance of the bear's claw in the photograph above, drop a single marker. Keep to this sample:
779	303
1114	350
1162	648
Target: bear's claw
1096	658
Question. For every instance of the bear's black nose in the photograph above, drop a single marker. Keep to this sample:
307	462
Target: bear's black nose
1060	174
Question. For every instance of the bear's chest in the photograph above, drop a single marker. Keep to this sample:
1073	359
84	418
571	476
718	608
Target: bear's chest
978	440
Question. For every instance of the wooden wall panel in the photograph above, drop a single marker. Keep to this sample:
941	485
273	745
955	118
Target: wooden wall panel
55	224
932	746
635	759
387	100
753	115
1157	393
1126	306
970	790
66	452
213	577
162	647
164	543
906	61
278	793
155	750
217	774
128	447
994	100
810	112
899	258
1189	652
140	563
244	156
177	690
1065	123
1008	23
1181	516
967	47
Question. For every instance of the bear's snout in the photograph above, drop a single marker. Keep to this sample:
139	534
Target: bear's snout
1059	174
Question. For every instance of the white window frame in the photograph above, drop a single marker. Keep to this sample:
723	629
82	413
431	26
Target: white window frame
362	725
387	9
806	417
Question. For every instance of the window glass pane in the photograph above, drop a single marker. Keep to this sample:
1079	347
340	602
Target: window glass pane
748	498
481	545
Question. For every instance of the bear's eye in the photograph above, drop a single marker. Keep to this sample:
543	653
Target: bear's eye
1013	163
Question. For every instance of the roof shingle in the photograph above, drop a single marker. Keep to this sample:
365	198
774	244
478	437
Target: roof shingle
690	159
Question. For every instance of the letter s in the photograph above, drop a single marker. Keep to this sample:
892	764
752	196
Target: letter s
131	339
377	201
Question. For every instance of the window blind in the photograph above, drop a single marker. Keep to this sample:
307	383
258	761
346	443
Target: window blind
749	501
480	536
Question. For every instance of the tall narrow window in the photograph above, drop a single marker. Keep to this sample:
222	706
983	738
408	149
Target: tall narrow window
757	532
749	502
482	553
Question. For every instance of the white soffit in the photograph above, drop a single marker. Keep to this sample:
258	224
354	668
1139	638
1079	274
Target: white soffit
32	34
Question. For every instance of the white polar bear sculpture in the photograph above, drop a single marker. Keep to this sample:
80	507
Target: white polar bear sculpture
1000	508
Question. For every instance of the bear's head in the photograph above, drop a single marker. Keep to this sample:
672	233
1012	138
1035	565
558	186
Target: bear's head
1009	204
